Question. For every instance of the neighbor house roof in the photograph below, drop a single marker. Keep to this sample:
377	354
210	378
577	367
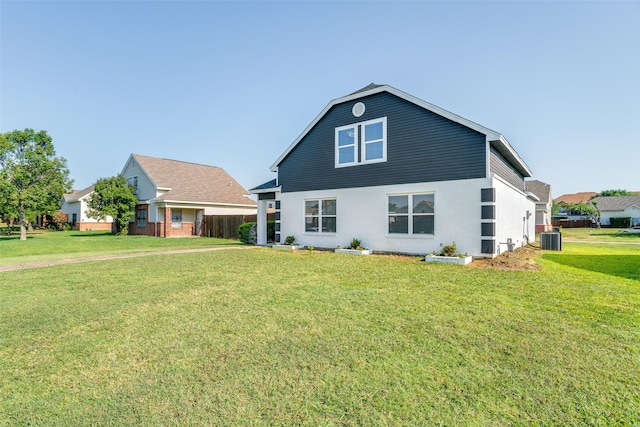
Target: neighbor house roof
617	203
76	195
496	140
192	182
576	197
539	188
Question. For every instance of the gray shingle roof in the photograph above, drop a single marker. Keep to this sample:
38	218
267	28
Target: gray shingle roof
617	203
76	195
539	188
193	182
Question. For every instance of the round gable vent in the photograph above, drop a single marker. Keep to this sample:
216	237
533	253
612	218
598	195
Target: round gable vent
358	109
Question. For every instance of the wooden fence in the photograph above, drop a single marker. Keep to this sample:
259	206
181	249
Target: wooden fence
226	226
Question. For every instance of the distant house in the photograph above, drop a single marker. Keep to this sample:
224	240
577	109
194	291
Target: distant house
576	198
542	191
173	196
75	206
401	175
618	206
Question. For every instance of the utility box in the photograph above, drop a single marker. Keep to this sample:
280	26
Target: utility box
551	241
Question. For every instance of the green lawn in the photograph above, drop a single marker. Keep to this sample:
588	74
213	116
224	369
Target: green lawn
52	245
268	337
600	235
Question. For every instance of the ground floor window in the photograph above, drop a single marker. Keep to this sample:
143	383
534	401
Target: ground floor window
320	216
141	218
176	218
411	214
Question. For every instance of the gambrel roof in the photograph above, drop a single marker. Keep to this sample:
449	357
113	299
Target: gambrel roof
498	141
192	182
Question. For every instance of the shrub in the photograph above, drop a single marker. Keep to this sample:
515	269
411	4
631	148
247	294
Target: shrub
449	250
271	231
620	222
289	240
247	233
355	244
59	220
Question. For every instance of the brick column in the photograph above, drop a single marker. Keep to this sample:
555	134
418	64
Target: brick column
167	222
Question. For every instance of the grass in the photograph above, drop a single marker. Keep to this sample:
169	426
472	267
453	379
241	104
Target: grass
53	245
599	235
267	337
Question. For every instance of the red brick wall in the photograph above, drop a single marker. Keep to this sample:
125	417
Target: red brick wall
86	226
163	229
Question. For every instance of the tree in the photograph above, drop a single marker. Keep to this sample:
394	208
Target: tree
113	197
590	210
614	193
32	178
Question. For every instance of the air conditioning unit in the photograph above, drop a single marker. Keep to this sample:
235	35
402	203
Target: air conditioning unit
551	241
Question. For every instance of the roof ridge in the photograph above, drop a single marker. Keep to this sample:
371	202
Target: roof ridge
177	161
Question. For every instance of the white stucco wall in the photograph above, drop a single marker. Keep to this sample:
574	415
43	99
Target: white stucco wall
363	213
515	216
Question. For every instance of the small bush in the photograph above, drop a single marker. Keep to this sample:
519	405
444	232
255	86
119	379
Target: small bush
355	244
289	240
247	233
59	221
620	222
271	231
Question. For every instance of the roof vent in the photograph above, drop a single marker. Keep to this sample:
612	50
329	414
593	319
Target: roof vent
358	109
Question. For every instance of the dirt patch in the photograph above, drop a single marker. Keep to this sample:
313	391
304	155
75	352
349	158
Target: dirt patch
521	259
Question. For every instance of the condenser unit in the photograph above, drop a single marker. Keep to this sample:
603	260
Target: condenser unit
551	241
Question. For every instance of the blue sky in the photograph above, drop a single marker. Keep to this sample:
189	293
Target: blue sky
232	84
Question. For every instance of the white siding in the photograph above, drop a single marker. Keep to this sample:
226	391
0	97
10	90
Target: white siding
146	189
632	211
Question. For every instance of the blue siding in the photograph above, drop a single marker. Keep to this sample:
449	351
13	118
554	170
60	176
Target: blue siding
421	147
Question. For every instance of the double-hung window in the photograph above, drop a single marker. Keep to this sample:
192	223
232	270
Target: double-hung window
361	143
320	216
412	214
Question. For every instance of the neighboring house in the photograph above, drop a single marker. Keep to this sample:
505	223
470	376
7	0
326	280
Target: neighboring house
75	206
173	196
618	206
575	198
401	175
542	191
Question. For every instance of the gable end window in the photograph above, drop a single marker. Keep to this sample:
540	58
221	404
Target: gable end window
412	214
133	183
361	143
320	216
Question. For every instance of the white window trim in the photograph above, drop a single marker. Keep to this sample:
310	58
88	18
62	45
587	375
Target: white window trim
320	216
410	234
384	141
360	144
356	138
